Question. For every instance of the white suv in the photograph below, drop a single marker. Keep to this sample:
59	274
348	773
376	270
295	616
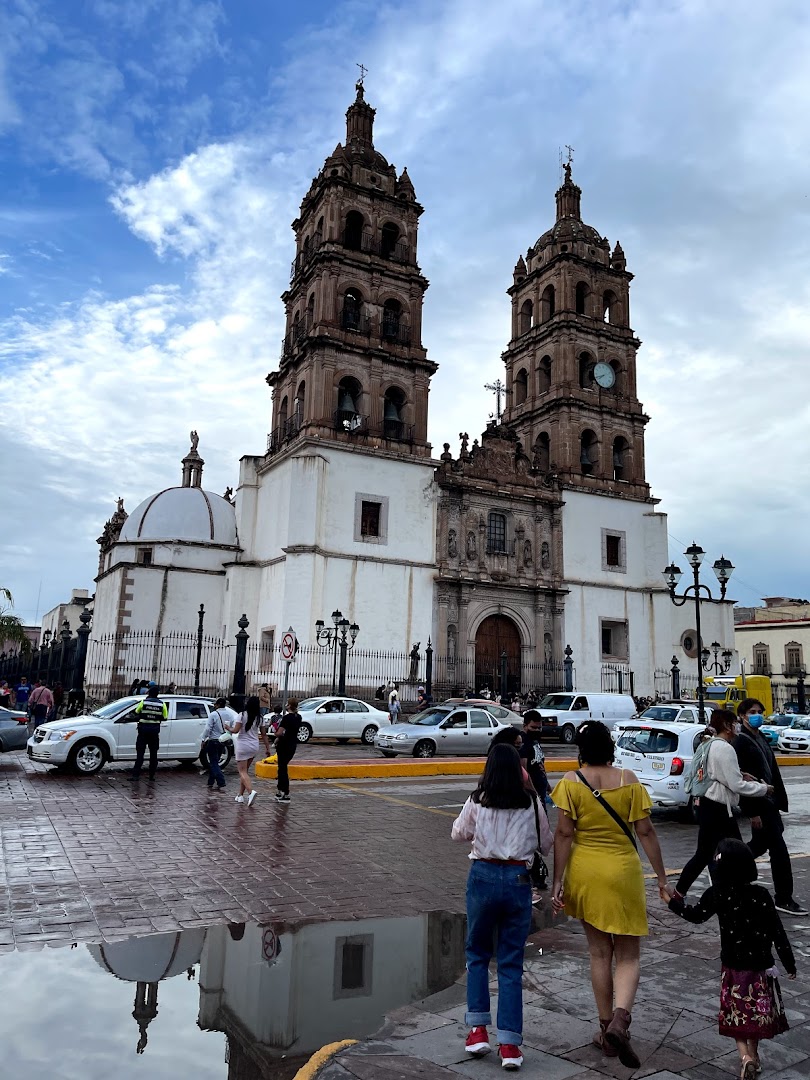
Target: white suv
659	753
87	743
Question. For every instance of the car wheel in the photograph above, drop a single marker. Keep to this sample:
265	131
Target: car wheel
368	735
88	758
226	758
424	749
388	753
568	734
304	733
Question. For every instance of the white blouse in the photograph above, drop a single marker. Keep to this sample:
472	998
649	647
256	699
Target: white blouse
502	834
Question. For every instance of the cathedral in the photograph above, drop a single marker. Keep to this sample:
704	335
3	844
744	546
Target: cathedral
540	534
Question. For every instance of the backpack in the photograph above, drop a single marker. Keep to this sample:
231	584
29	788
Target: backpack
697	780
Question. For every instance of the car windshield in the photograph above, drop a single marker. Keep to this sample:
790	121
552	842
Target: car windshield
115	707
648	741
803	724
561	702
430	717
660	712
310	704
779	720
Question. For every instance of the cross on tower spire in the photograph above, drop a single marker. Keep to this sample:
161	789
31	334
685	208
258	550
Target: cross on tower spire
499	390
363	73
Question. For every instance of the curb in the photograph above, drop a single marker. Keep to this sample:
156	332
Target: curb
429	767
310	1068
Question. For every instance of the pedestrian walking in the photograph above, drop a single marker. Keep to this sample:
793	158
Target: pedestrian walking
40	704
394	707
500	820
212	745
756	758
286	745
532	753
5	695
715	808
598	878
264	698
751	1006
247	732
151	713
58	701
21	693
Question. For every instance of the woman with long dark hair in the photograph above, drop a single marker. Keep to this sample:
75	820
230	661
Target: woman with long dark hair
247	732
506	826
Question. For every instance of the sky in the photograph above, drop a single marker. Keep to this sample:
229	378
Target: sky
154	152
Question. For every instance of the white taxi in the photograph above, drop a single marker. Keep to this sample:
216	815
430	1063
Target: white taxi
796	738
659	753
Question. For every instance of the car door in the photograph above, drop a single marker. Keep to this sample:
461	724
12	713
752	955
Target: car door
124	730
356	716
330	719
482	728
454	735
182	735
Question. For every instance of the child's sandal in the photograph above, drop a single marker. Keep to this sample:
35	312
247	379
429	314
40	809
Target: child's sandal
748	1069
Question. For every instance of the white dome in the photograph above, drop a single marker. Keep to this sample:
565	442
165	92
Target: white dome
150	959
182	513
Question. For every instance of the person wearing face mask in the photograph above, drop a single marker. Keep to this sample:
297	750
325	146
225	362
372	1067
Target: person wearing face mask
716	808
757	759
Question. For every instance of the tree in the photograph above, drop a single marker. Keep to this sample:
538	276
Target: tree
11	626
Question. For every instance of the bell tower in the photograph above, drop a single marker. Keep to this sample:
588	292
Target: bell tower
571	360
352	366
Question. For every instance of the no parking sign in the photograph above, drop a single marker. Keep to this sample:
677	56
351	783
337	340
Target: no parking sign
289	646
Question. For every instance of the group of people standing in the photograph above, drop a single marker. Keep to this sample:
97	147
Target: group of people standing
37	699
604	815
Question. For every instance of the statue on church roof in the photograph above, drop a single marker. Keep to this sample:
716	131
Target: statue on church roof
195	440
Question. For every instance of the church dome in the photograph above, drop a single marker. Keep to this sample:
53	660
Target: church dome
569	226
150	959
182	513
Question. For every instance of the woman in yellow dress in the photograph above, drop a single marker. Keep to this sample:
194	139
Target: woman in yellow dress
598	877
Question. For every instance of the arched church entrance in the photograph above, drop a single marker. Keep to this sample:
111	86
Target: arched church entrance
497	654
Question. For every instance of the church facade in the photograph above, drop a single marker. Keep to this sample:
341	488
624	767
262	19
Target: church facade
538	535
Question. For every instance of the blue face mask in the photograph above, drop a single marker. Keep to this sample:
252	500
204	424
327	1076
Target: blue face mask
755	720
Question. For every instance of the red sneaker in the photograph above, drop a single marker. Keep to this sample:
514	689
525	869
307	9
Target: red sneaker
511	1057
477	1042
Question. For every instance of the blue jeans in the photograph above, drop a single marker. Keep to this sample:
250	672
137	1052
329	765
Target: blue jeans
213	748
499	903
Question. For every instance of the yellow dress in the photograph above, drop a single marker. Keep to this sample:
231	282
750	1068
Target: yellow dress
604	881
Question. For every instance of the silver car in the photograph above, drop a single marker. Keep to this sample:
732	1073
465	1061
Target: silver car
440	729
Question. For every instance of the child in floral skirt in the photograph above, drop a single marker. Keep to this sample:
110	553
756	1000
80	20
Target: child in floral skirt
750	1000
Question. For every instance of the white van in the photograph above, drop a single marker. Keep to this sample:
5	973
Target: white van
569	710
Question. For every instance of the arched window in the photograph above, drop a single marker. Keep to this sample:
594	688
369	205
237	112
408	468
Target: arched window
610	307
521	386
282	414
307	245
296	327
351	316
621	449
586	366
298	404
583	292
353	231
542	452
310	311
526	317
318	238
588	452
496	534
393	416
544	375
347	417
392	320
389	240
547	303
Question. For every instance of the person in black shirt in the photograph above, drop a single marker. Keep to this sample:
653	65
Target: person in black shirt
286	745
750	1000
532	753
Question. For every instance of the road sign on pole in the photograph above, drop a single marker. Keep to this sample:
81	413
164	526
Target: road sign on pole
289	645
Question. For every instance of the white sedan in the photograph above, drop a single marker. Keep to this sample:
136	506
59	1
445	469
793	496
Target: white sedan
660	753
796	738
340	718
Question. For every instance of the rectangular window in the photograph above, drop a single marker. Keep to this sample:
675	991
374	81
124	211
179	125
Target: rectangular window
144	556
496	534
353	966
762	660
613	636
614	551
370	519
793	657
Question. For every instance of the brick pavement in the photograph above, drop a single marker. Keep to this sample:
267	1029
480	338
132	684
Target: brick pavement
85	859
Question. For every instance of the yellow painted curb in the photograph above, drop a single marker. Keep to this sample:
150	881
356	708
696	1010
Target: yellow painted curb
320	1058
793	759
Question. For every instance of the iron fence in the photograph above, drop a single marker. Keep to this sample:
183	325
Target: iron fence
179	662
617	678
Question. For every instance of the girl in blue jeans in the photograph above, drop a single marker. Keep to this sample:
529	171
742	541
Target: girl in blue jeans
506	827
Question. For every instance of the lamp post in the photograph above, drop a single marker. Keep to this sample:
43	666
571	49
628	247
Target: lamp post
715	665
723	570
341	635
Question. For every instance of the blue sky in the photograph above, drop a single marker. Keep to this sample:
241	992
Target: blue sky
155	151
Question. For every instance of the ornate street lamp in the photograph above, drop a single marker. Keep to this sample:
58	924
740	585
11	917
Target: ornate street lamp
723	570
341	635
715	665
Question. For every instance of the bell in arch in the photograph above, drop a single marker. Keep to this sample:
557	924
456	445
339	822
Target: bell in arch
346	401
584	456
391	411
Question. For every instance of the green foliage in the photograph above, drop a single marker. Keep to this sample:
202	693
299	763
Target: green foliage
11	626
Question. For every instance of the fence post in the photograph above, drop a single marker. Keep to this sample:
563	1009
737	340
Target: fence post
238	686
676	680
82	634
200	620
568	668
64	635
429	669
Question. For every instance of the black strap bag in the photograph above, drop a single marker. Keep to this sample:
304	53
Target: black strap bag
628	832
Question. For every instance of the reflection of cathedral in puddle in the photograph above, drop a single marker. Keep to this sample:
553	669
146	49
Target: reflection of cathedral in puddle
282	991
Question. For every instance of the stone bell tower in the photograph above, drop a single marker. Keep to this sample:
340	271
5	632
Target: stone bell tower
352	367
571	360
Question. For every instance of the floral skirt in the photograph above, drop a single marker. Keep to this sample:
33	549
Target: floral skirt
750	1005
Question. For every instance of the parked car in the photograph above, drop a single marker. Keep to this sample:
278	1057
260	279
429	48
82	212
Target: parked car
13	729
86	743
340	718
659	753
775	724
672	712
796	738
569	710
441	729
500	712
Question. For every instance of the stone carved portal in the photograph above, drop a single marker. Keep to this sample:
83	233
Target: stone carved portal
497	634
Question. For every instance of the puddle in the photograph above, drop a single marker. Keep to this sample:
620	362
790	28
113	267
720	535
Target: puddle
230	1002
